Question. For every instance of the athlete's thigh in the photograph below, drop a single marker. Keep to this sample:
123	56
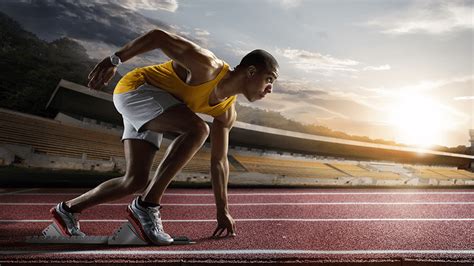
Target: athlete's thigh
178	119
139	155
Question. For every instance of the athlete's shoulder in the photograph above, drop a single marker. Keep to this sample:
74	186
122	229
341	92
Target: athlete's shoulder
212	61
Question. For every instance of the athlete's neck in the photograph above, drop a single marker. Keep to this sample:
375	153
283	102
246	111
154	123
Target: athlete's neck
231	84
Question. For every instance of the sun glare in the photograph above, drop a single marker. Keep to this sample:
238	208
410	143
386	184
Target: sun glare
417	120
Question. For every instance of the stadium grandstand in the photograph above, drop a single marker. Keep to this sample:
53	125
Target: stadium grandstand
85	135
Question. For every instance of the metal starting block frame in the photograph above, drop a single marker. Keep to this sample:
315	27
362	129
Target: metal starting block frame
124	235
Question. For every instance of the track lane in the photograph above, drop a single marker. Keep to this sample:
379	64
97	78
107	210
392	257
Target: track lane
265	195
287	240
323	236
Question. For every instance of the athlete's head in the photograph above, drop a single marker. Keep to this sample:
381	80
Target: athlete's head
260	69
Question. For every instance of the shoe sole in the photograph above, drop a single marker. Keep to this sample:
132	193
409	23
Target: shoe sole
59	222
139	229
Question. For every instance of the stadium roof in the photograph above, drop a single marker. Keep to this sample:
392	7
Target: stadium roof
72	98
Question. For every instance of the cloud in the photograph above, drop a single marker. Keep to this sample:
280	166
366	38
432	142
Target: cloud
294	106
309	103
102	21
430	85
359	112
421	86
102	26
311	61
202	37
100	50
345	111
294	86
461	98
201	32
377	68
360	127
235	50
429	16
366	101
197	35
241	43
286	4
168	5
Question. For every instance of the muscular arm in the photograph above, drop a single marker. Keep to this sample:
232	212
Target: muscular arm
181	50
199	61
220	129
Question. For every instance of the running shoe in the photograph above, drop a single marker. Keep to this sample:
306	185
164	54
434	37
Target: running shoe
66	221
147	222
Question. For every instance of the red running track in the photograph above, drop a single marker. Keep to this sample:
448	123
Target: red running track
348	225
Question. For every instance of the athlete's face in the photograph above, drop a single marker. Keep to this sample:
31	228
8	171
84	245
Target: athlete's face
260	82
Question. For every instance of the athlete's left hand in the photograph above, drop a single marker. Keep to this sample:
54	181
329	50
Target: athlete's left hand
224	222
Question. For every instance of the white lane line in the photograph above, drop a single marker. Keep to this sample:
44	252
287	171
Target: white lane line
262	203
238	251
274	220
282	193
17	191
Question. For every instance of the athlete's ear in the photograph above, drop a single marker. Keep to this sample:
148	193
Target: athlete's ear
251	71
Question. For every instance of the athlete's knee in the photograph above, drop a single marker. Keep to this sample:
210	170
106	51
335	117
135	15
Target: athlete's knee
200	128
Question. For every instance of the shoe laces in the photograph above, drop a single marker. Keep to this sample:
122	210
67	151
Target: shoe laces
155	212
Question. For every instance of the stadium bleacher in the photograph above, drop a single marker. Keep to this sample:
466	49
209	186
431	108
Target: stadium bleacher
452	173
442	173
360	171
287	167
49	137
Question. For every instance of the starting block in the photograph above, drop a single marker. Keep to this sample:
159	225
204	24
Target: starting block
124	235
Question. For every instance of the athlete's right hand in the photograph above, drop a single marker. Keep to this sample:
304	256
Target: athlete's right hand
102	73
225	222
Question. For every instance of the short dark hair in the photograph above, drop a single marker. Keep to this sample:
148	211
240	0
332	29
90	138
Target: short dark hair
259	58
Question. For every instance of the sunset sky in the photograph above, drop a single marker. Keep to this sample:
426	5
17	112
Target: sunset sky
395	70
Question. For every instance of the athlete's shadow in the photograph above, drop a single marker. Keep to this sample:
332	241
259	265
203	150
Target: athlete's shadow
213	239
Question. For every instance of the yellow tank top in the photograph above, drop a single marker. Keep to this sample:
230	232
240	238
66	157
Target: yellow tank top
164	77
